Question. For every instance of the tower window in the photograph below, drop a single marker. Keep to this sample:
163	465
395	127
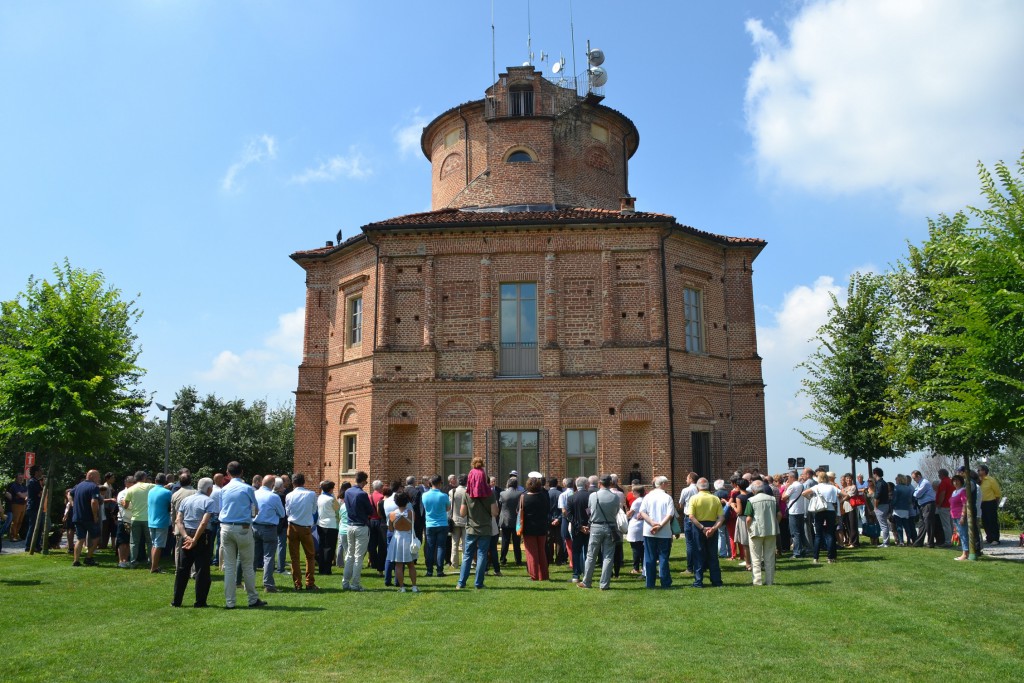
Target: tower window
519	156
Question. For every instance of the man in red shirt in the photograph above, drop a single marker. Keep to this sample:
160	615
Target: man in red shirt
942	495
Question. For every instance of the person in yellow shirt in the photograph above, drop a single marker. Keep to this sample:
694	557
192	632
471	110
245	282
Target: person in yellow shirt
706	515
990	496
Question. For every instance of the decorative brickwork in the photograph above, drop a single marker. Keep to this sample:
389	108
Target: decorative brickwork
599	347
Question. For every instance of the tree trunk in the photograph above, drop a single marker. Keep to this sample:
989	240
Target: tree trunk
43	514
973	537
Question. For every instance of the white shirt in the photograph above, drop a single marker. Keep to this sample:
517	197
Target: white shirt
299	504
685	495
389	506
327	516
658	505
563	499
795	501
827	491
124	516
636	524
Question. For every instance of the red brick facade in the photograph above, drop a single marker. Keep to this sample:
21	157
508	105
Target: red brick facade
611	357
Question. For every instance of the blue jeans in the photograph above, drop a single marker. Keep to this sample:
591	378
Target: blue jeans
825	532
796	530
478	546
282	547
723	541
692	544
961	529
436	537
30	517
656	552
389	566
579	554
265	536
706	558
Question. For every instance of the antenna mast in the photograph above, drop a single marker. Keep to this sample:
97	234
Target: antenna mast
529	35
494	71
572	42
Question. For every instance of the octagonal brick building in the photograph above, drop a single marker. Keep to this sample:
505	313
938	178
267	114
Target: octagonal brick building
533	317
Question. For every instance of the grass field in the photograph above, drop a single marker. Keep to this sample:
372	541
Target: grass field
892	614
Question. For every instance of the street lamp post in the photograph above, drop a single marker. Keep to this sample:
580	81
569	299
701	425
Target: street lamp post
167	438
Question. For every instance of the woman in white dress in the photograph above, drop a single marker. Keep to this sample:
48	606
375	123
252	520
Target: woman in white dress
400	554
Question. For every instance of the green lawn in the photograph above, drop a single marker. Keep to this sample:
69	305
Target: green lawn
894	614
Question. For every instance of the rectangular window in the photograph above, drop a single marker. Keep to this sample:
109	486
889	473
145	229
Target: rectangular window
519	451
518	329
457	452
693	312
355	320
581	452
349	443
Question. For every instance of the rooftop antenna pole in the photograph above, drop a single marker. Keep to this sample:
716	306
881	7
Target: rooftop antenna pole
494	70
572	42
529	35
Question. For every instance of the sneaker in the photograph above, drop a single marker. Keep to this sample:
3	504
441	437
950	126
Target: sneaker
401	589
414	589
123	565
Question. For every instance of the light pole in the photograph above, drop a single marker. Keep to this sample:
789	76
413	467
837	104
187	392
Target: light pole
167	438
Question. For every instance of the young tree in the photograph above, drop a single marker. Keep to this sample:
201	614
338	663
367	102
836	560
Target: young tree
847	375
68	370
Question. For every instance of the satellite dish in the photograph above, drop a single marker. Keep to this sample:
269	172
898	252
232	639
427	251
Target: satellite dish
527	63
598	76
596	57
556	67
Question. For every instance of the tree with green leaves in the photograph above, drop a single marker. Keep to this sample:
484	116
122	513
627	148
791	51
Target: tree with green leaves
847	376
68	365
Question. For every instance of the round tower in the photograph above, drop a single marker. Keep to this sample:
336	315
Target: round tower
530	141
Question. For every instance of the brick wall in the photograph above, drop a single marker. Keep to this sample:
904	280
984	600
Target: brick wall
580	151
602	352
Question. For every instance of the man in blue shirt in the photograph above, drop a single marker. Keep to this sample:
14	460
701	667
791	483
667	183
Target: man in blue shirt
85	502
357	504
159	501
271	510
237	507
925	496
435	507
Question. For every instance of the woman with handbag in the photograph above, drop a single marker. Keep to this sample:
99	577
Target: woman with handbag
852	499
404	546
533	523
823	501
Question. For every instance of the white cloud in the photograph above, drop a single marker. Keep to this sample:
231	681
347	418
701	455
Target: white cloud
270	369
903	97
407	136
257	150
784	342
352	167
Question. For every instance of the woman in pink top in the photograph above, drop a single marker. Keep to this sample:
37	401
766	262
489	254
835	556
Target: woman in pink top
957	507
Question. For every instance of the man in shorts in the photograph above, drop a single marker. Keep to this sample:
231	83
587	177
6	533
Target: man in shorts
86	501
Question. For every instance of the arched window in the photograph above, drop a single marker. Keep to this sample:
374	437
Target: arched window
519	156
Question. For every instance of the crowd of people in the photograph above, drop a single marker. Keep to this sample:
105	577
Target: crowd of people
468	523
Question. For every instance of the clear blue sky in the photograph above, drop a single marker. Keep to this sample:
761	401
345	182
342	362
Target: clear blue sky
186	148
